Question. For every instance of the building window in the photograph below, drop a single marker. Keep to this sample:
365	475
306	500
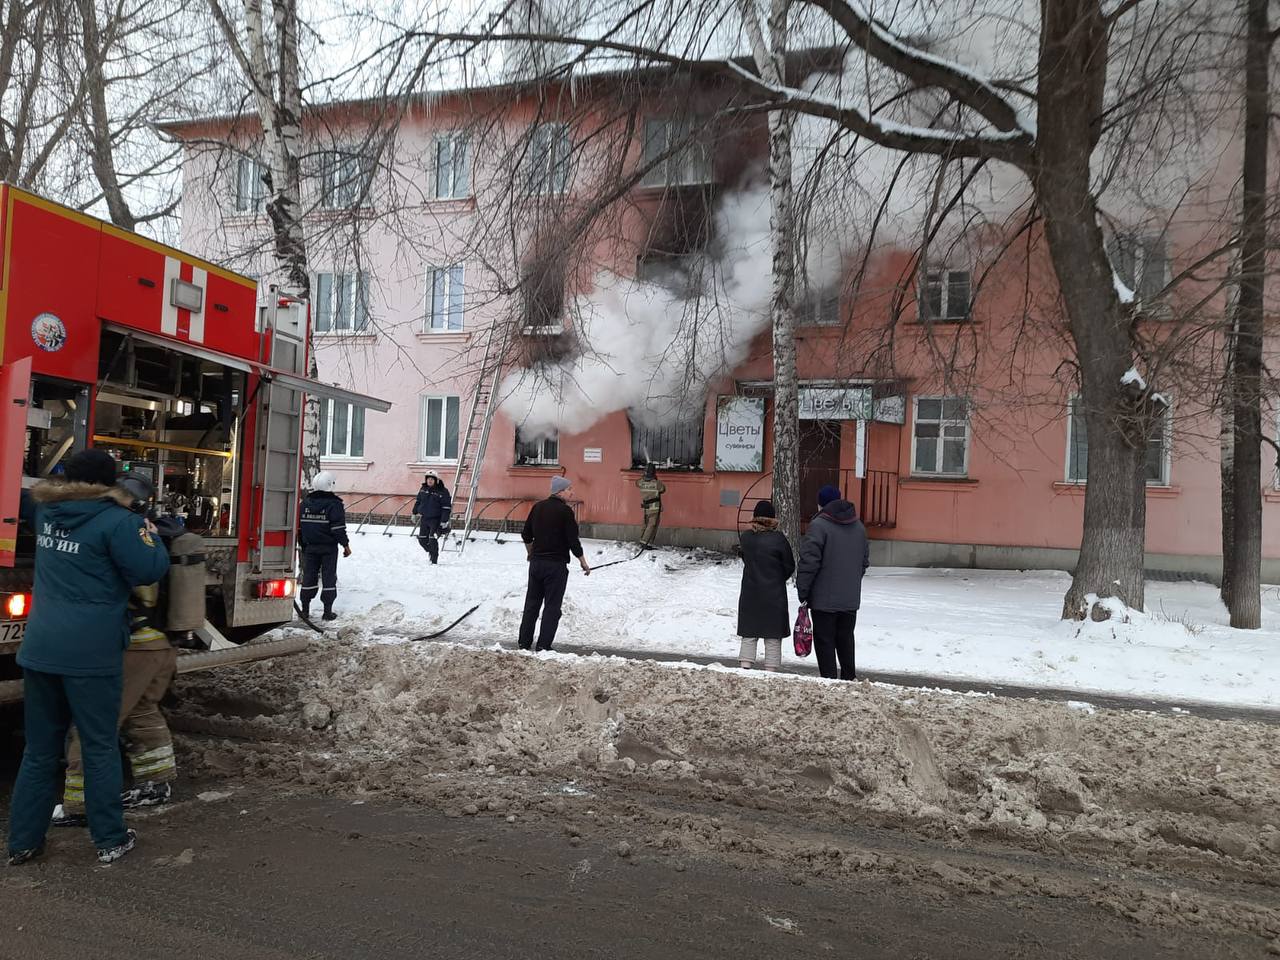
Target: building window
1159	446
251	187
341	302
819	310
341	430
549	158
940	439
345	178
1141	262
537	451
946	295
452	161
690	164
445	298
671	446
439	428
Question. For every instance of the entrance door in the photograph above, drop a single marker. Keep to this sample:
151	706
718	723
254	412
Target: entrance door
819	462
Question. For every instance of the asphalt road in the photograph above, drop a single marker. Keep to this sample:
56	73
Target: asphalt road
257	876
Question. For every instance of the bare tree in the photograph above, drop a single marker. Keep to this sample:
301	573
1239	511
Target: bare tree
770	55
1242	499
1050	127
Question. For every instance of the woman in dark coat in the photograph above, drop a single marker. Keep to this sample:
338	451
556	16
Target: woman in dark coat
433	505
767	565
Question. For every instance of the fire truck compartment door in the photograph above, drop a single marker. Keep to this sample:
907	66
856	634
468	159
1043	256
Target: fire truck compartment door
15	393
314	388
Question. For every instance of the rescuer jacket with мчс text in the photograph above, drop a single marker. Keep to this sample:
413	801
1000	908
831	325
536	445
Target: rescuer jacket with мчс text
324	523
91	551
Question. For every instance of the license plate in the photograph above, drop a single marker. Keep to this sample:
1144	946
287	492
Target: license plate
12	632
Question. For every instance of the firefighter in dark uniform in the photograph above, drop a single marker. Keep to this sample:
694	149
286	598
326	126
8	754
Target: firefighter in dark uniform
322	530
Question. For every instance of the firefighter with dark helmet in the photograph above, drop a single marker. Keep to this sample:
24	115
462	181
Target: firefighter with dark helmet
322	529
149	666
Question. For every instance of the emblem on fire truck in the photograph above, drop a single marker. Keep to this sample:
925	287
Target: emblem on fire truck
49	332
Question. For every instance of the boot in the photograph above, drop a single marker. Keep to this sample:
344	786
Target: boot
329	615
149	794
61	818
109	855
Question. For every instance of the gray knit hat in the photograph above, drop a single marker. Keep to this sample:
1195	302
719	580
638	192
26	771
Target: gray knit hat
560	485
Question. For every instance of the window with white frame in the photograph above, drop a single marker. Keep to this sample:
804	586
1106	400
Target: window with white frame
251	186
439	428
819	309
537	449
445	298
1159	446
341	302
940	437
946	295
1141	261
341	430
451	163
345	177
549	158
689	164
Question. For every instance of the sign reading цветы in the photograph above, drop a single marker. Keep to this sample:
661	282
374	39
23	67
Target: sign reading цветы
835	403
740	434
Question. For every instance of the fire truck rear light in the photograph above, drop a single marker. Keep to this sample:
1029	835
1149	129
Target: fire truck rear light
17	605
273	589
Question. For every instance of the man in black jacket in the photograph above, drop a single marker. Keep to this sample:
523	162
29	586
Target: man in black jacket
550	534
833	557
322	530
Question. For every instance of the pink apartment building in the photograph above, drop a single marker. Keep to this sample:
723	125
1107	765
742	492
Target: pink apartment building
983	469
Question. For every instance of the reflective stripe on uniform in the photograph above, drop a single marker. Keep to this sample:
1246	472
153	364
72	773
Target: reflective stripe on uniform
73	793
154	764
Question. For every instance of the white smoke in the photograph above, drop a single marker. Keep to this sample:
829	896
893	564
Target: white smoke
650	349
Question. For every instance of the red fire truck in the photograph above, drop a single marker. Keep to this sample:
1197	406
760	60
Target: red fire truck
181	371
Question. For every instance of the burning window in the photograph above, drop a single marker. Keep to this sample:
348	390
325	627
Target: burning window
538	450
671	445
819	310
542	294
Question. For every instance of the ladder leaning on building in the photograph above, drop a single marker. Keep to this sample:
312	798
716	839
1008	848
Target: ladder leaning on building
471	451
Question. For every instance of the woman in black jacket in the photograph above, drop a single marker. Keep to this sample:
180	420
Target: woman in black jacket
767	565
433	506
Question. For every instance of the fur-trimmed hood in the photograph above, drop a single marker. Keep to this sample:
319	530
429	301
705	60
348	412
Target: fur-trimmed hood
66	491
72	503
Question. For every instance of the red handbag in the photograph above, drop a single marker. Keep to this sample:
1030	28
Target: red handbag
803	634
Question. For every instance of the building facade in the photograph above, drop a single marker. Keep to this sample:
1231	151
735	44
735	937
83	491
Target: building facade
937	398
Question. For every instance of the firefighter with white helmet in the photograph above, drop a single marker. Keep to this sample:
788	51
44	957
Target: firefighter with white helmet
321	531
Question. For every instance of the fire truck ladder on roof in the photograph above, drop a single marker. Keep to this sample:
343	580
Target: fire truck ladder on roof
466	479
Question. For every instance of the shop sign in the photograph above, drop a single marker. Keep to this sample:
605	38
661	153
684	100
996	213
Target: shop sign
835	403
740	434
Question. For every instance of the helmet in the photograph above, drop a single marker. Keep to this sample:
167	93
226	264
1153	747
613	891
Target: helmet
324	482
139	488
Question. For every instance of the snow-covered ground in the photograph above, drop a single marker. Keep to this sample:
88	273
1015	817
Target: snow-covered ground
963	624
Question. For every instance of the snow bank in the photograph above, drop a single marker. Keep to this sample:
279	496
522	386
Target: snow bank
951	624
482	730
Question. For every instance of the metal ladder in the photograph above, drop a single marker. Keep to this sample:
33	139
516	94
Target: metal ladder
476	440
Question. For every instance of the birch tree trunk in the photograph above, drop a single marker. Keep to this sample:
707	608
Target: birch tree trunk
1245	562
770	55
277	94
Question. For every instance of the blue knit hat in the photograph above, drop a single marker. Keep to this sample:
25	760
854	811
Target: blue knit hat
828	494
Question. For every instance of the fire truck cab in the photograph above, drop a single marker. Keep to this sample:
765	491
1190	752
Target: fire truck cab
178	368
